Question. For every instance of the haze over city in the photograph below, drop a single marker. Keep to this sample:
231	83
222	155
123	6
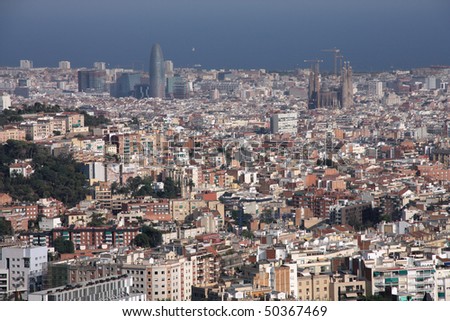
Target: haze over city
247	150
278	35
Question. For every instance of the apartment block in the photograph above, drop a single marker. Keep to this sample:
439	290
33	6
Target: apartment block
115	288
407	282
313	287
26	266
346	287
97	237
11	132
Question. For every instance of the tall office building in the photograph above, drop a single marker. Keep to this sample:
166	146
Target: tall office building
157	72
141	91
64	64
376	89
177	87
125	83
26	64
347	86
100	65
283	123
5	101
168	64
430	83
92	80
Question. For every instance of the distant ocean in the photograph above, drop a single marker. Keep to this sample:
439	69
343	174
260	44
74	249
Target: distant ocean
270	34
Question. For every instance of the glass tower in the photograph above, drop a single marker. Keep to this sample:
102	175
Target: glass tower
157	72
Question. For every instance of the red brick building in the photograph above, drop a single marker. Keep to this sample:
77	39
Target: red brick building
50	207
318	200
19	215
97	237
156	210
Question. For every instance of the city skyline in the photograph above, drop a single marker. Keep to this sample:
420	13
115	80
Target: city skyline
288	151
374	36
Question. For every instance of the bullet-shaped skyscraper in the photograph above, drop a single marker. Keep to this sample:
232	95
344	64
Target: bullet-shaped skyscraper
157	72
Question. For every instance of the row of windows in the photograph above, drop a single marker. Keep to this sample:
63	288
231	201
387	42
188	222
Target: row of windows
317	282
164	292
135	272
317	290
16	272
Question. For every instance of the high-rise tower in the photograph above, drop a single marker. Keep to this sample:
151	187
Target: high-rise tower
157	72
91	80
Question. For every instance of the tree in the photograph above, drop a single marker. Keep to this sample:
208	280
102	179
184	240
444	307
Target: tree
247	234
145	190
141	186
171	189
94	120
63	246
9	116
154	236
142	240
58	177
114	188
5	227
97	219
39	108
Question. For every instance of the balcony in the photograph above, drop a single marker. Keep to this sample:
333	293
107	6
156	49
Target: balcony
352	291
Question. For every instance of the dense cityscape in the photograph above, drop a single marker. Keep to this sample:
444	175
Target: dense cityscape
187	184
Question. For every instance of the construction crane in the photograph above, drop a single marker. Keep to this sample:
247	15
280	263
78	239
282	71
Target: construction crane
336	52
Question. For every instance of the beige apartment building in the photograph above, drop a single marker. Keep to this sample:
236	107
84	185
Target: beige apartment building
313	287
11	132
162	279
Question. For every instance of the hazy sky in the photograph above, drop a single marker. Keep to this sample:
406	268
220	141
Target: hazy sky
272	34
